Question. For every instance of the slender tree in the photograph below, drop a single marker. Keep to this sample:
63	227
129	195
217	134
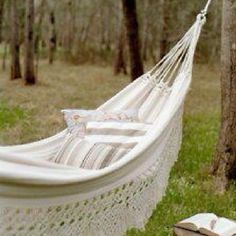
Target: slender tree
39	15
120	64
29	75
164	42
4	57
15	42
70	27
52	37
224	165
132	28
145	29
1	17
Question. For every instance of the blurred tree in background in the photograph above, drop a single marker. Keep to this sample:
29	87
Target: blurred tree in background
224	166
132	29
29	43
15	42
92	31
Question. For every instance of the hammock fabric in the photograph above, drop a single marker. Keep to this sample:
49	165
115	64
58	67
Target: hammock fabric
39	197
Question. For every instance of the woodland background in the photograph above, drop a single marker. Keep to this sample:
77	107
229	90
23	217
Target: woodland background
89	31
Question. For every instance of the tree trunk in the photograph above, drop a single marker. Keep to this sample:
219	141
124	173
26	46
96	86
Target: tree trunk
120	64
164	42
38	26
4	57
53	38
38	32
69	28
29	43
224	165
1	17
145	30
15	44
132	28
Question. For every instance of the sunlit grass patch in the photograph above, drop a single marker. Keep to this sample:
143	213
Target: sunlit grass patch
9	116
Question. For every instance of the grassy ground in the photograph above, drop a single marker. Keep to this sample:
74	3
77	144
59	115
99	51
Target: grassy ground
30	113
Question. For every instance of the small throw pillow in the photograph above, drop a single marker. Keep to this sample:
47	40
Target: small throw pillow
97	139
77	120
89	155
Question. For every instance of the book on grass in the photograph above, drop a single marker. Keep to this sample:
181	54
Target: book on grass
209	224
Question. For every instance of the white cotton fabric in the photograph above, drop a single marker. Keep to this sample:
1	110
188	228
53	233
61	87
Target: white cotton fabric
154	103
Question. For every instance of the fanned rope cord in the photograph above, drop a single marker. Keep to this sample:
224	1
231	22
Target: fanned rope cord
161	70
170	54
205	10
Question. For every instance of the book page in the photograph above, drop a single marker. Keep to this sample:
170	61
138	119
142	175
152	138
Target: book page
225	227
202	220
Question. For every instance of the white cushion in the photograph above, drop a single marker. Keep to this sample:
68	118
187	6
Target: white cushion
99	138
89	155
103	144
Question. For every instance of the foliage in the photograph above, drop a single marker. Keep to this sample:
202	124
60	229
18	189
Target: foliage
87	30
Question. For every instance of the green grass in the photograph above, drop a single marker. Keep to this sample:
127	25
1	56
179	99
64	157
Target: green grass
190	189
9	116
34	112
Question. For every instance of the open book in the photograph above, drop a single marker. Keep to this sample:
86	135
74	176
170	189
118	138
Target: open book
209	224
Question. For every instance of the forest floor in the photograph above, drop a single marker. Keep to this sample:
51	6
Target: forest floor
31	113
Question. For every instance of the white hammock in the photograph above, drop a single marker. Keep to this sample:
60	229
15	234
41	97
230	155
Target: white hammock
38	197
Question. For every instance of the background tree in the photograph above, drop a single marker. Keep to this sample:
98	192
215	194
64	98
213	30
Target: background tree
1	17
225	157
29	43
120	63
53	37
15	42
39	16
131	22
164	42
89	31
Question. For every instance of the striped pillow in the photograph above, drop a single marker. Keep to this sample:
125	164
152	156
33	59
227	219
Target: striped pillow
89	155
103	144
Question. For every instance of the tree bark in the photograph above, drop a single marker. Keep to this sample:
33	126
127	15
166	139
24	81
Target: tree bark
69	30
145	30
4	57
132	28
53	38
38	26
29	75
164	42
39	15
1	17
120	64
224	165
15	42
